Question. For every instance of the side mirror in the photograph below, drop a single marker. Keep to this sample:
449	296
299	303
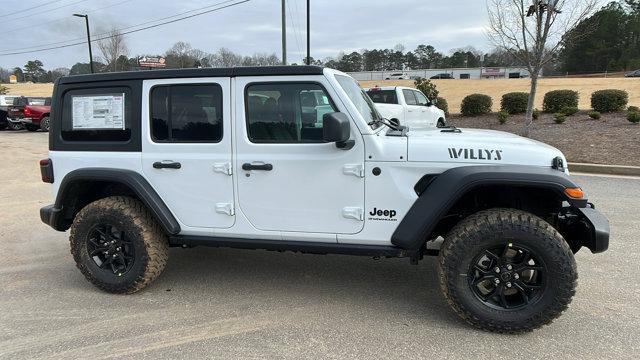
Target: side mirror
429	104
336	128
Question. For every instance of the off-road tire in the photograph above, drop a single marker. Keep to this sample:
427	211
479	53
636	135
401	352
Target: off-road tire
150	243
493	227
31	128
45	124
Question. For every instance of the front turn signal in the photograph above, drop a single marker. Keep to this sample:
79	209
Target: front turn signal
574	193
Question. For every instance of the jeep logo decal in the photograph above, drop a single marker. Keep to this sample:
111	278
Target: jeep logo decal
475	154
383	215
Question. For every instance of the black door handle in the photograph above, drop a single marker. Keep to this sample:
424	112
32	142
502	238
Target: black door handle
261	167
166	165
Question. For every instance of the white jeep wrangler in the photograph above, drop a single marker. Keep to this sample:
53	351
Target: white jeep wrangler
297	158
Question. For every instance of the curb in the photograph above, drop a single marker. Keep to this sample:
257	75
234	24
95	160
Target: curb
605	169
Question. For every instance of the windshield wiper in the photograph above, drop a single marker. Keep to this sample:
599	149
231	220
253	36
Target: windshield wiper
386	122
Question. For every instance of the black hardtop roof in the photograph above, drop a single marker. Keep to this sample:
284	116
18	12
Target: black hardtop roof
195	73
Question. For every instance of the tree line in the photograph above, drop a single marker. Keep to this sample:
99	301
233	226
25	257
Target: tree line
613	44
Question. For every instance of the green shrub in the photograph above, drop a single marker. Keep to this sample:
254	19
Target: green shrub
503	116
515	102
442	104
569	110
633	109
555	100
427	87
476	104
609	100
559	118
595	115
634	117
536	114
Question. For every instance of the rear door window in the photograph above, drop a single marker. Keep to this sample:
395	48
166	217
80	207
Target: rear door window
186	113
383	96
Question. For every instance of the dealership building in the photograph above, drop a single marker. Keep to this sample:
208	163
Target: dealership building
459	73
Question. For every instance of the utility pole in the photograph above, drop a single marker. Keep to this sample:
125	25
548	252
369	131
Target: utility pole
308	32
86	18
284	32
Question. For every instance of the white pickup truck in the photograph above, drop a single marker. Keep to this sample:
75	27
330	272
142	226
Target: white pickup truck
406	106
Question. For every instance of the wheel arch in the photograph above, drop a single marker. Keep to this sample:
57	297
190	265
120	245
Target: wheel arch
83	186
447	198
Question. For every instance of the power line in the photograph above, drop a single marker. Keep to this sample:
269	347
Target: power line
293	24
46	11
128	32
40	24
31	8
121	29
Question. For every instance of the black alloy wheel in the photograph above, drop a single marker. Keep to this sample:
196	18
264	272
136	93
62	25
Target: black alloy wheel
507	278
110	249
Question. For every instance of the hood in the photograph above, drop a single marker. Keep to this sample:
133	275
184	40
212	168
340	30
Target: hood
475	146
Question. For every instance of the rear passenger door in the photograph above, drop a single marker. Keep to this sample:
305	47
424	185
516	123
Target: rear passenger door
186	149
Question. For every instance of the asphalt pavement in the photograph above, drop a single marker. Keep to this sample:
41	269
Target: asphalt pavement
231	304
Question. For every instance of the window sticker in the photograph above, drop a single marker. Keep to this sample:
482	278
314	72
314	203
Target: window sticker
98	112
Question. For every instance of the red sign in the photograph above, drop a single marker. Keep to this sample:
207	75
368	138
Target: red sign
152	62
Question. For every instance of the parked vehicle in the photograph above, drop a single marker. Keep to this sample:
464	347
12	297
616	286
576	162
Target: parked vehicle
633	74
31	113
406	106
443	76
5	102
398	76
142	161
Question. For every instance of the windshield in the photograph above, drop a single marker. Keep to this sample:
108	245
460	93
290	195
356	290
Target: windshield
359	98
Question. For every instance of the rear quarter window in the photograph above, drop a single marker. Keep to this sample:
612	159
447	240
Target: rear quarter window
99	114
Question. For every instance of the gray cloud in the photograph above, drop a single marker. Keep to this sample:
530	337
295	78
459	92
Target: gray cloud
337	25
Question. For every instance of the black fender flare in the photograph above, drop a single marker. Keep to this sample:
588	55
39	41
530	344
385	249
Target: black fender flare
446	189
131	179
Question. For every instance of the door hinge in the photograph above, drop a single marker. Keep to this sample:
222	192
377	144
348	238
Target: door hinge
223	168
354	213
225	208
354	169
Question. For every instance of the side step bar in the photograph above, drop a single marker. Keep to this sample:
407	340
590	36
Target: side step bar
294	246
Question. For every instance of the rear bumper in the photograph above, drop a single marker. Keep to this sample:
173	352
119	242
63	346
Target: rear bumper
598	228
52	216
26	120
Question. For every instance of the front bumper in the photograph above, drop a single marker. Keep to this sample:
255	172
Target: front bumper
598	230
15	120
52	216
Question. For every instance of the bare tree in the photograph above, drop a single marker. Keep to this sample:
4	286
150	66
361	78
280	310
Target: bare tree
534	31
112	47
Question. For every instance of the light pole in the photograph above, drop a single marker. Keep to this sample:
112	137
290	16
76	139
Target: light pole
86	18
308	32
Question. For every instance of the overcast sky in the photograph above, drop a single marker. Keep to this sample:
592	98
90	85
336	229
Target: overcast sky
337	25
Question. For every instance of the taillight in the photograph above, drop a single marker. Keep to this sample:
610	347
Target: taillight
27	112
46	170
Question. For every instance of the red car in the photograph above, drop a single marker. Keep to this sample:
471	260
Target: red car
31	113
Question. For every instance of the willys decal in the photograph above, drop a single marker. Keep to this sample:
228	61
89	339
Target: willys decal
475	154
